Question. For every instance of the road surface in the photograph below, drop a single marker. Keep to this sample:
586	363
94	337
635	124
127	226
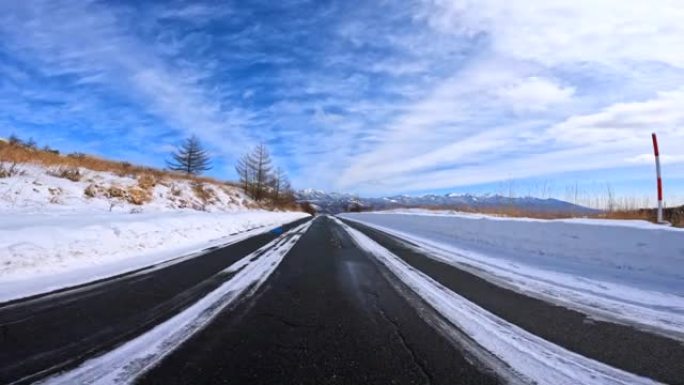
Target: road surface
329	313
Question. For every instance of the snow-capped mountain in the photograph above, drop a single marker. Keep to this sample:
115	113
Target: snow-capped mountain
339	202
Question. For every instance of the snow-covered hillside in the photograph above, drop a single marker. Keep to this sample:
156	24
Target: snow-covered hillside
632	271
39	189
58	230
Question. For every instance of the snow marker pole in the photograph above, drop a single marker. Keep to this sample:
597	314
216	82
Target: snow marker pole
660	181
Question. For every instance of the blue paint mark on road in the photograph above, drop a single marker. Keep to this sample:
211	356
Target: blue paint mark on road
277	231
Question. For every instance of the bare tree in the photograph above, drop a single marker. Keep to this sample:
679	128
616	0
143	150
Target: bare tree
278	182
261	181
14	140
190	158
263	170
245	170
281	189
255	172
31	144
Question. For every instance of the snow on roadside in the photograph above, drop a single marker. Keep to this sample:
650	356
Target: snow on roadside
628	274
62	229
634	223
128	361
41	253
532	358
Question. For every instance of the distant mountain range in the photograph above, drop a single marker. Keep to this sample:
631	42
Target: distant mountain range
333	203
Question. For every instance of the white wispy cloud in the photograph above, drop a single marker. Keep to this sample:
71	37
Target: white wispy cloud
534	93
89	41
524	104
562	31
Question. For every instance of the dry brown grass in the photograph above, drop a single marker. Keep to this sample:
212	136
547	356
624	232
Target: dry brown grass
138	196
627	214
522	213
203	193
147	181
512	212
116	192
132	194
674	215
20	154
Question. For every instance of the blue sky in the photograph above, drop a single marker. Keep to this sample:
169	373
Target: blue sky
374	98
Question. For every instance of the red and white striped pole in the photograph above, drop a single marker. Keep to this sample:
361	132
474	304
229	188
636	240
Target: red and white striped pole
660	181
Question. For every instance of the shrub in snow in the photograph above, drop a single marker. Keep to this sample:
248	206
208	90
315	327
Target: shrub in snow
175	190
12	170
93	191
71	173
116	192
147	181
55	195
137	196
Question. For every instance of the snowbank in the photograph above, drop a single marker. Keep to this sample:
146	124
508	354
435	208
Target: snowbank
632	271
638	251
44	252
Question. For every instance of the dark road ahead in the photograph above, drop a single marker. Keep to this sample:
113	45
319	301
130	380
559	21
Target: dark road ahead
326	316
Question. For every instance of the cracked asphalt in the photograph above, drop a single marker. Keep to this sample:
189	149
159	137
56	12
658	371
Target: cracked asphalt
327	316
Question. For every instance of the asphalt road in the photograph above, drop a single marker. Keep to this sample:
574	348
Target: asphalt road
53	332
326	316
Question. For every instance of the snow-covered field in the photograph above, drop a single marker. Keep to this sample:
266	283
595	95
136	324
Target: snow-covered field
54	235
626	271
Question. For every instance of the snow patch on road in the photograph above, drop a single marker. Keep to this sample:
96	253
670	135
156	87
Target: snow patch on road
624	273
45	252
534	359
130	360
